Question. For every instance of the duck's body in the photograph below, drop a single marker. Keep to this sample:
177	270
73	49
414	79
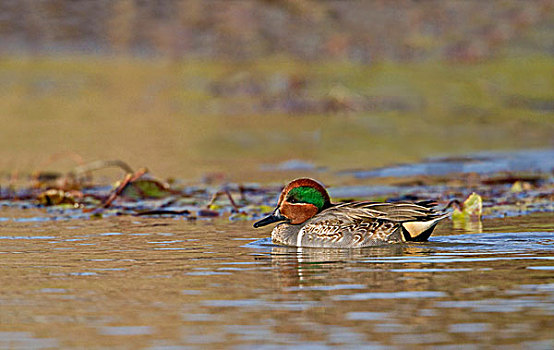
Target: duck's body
311	220
360	224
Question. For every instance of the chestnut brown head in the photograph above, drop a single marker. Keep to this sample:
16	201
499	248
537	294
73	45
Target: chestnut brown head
300	200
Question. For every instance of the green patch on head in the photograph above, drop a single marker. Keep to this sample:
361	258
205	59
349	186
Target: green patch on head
305	194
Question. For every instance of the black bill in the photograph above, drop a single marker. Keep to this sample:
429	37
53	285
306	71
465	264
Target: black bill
275	217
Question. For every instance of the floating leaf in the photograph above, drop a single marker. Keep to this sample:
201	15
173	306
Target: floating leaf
56	197
468	213
520	186
215	207
473	206
145	188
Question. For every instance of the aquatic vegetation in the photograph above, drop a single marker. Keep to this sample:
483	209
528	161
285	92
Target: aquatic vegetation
467	215
472	195
470	209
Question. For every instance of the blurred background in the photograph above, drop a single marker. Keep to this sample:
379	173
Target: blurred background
247	90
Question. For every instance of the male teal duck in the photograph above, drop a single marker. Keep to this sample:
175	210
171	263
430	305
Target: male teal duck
311	220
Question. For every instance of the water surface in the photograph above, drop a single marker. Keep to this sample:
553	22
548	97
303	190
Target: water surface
164	283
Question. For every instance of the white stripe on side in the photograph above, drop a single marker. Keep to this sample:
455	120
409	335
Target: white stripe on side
299	237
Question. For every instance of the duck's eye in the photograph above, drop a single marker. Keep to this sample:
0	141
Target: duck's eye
292	200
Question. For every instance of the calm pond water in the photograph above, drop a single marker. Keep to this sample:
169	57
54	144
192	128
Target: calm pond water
165	283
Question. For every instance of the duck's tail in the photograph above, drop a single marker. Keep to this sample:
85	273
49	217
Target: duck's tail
420	231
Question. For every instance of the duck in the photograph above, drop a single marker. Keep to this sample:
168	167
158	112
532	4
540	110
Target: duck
307	218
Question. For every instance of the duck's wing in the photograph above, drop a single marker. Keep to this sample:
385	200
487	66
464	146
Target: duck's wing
417	219
397	212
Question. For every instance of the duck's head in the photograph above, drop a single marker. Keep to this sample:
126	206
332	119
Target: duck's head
300	200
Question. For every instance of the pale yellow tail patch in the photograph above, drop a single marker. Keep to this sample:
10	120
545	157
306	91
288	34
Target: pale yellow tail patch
415	228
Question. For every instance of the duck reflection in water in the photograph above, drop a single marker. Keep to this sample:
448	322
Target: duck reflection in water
321	268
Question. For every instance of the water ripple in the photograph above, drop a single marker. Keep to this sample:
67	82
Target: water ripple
391	295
